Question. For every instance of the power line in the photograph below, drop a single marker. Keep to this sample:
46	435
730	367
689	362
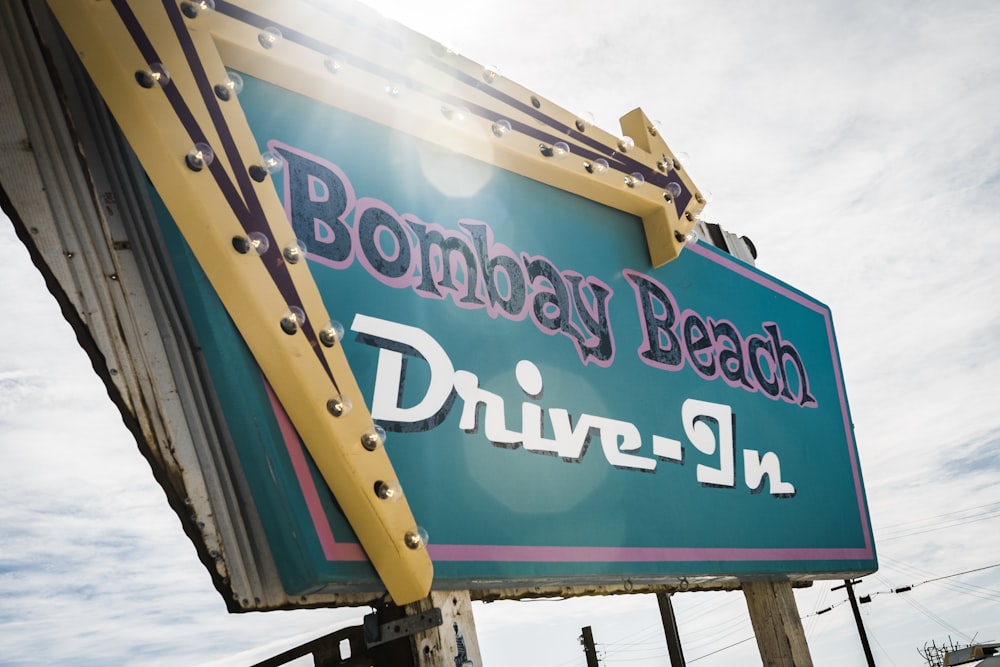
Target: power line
960	587
742	641
920	526
957	574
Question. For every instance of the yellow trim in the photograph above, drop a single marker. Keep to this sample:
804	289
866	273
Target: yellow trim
242	281
419	112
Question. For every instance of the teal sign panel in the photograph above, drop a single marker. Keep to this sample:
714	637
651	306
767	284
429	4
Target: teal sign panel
558	412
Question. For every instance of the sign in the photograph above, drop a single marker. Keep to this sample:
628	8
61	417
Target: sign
557	410
574	392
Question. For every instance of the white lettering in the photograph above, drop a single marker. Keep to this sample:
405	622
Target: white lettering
708	426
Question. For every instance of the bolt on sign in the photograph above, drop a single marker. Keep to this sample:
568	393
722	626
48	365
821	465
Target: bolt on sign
458	336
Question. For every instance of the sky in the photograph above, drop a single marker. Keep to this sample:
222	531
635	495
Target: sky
857	143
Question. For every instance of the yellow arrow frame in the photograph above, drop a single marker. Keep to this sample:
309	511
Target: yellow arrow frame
161	67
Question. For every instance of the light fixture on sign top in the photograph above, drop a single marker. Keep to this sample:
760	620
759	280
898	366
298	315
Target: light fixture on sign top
269	37
199	157
598	166
584	120
558	150
625	144
490	74
294	318
155	75
331	333
672	191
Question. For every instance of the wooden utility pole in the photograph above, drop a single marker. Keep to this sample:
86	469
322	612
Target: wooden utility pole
670	630
776	624
849	585
589	650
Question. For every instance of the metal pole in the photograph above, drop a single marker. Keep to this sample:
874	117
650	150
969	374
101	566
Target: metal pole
670	630
849	585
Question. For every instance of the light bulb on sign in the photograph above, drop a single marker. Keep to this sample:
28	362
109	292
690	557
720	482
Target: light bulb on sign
388	490
269	37
259	243
272	162
635	179
294	252
584	120
414	539
155	75
457	114
294	318
373	438
334	63
233	85
254	243
199	157
339	406
501	127
598	166
331	333
192	9
687	239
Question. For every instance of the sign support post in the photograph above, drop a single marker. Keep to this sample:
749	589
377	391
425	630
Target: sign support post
674	649
453	643
776	623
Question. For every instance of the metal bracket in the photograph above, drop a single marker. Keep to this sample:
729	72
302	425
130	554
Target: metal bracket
376	634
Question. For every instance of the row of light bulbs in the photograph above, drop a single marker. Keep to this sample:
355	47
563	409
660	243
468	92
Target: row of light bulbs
201	156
